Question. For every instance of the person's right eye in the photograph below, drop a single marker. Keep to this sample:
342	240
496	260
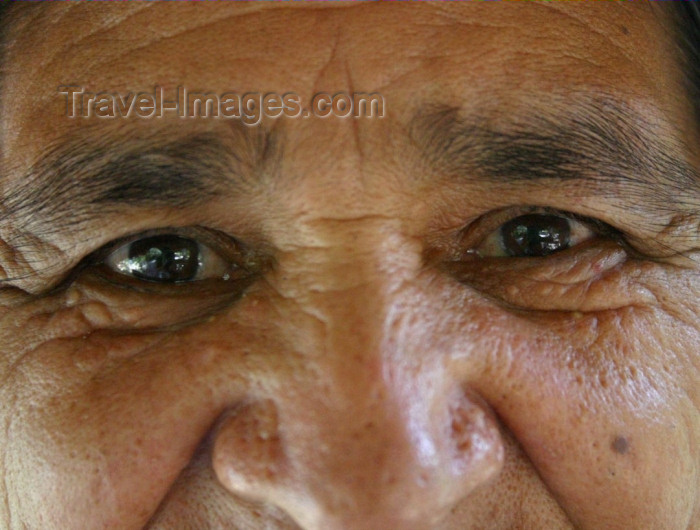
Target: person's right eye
163	278
169	258
174	261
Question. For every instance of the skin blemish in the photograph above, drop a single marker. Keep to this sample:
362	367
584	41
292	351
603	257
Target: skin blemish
620	445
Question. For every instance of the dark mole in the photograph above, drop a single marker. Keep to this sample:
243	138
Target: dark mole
620	445
624	30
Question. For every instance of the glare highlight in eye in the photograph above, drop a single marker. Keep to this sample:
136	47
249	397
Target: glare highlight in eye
167	258
534	235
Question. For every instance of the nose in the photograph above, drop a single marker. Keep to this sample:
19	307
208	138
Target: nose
392	461
368	431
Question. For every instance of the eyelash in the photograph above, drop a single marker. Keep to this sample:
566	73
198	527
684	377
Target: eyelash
229	248
478	230
599	227
243	262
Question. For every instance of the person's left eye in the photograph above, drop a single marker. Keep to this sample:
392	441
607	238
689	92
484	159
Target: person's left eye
167	258
534	235
539	258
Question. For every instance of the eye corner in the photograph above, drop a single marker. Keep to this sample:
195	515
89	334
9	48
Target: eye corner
174	261
513	232
527	234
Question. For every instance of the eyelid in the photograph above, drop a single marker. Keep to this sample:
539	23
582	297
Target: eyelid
206	236
242	262
210	263
488	223
153	305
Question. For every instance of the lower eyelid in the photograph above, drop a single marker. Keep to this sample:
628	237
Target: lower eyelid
570	280
119	287
571	265
142	307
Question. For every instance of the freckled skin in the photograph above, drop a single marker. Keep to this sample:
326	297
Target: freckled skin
356	384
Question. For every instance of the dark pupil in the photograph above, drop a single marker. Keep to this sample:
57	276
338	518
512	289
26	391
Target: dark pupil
164	259
535	235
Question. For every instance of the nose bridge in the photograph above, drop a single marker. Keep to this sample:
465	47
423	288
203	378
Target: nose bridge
366	432
349	418
343	256
342	285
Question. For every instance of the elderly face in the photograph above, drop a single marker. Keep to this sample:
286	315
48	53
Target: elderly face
479	311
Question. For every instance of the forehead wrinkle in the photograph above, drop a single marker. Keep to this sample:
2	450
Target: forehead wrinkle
41	15
74	49
180	26
125	55
613	38
109	23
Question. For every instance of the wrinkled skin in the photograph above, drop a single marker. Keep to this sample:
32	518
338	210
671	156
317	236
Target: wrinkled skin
369	373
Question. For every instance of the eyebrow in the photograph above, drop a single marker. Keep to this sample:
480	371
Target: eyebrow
83	178
596	141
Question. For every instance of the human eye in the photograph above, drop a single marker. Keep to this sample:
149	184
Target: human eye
174	259
168	258
535	235
546	259
163	278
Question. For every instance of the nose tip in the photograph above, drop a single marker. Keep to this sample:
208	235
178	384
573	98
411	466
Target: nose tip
384	467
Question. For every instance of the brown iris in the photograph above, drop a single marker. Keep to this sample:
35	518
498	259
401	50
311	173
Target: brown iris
535	235
165	258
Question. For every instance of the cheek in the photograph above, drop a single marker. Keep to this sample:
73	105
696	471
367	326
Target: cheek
599	386
598	404
100	423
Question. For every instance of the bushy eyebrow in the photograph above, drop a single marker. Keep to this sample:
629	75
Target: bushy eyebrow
597	142
83	178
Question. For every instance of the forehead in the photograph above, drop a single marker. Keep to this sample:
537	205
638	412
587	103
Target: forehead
468	55
378	42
